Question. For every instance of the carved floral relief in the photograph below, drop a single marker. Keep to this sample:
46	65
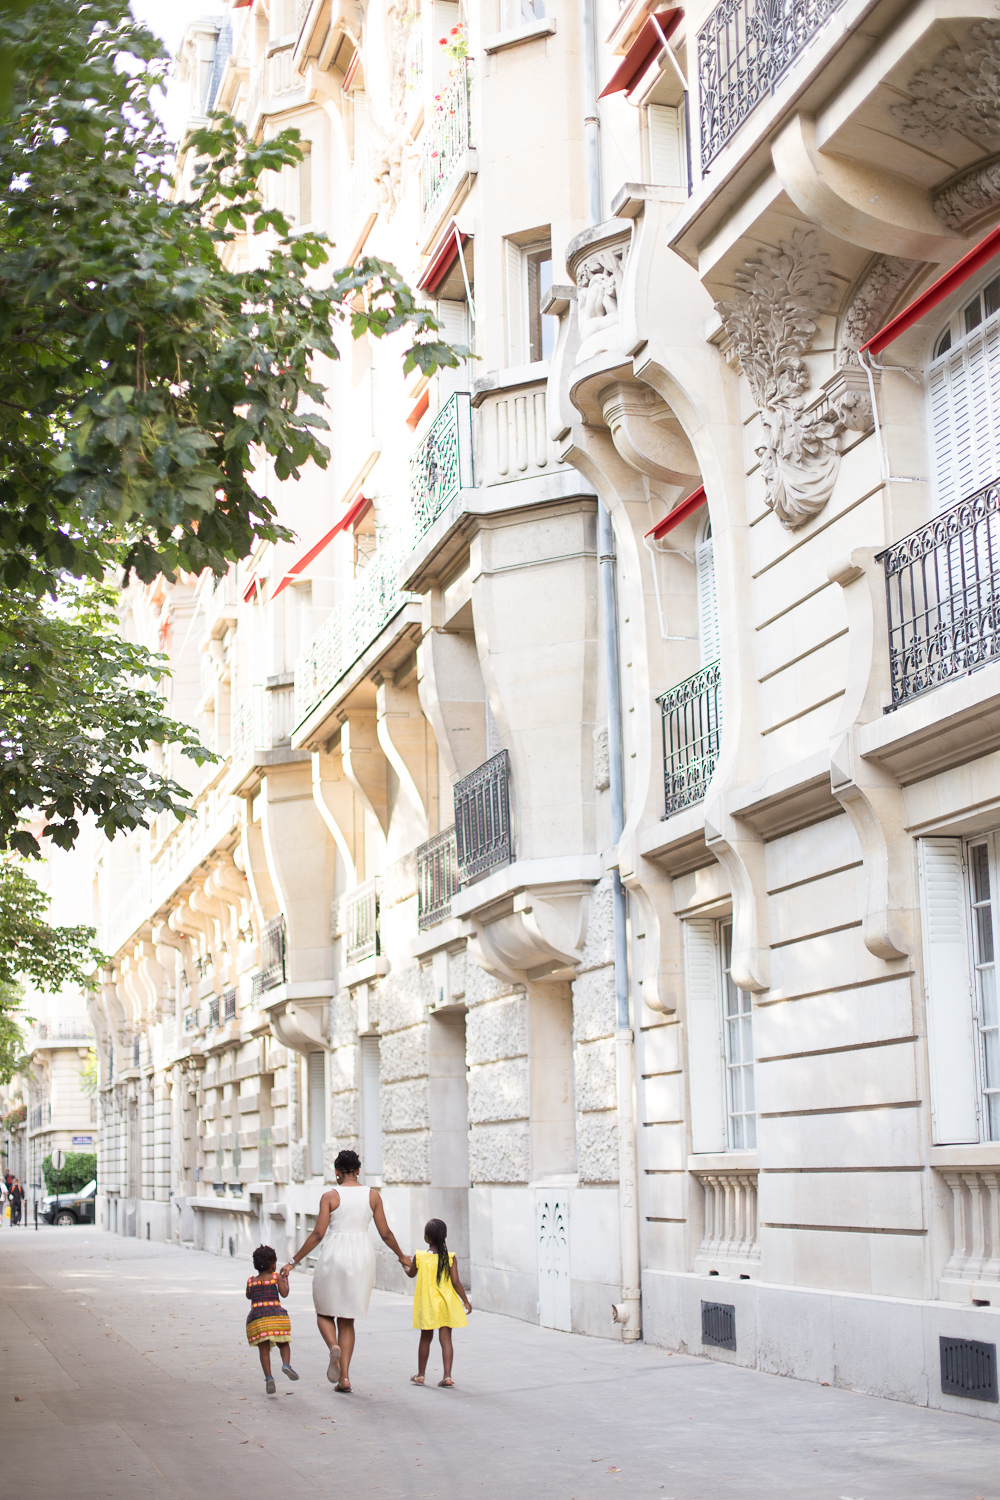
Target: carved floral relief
772	323
959	91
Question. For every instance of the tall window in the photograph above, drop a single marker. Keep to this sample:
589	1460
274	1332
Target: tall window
317	1111
530	336
708	603
737	1024
982	883
964	388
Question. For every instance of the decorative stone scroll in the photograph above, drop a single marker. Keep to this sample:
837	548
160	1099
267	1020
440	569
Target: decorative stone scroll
772	322
960	203
876	295
959	92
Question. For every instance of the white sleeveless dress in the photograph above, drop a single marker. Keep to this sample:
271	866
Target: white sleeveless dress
345	1267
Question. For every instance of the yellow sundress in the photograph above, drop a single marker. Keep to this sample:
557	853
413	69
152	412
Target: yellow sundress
435	1303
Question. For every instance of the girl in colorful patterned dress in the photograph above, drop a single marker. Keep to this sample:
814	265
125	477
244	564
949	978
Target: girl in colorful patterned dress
438	1299
267	1321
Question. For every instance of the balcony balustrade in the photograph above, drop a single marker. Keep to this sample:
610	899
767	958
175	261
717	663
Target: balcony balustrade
730	1217
942	585
361	924
441	464
447	137
975	1226
482	819
744	50
437	878
692	721
69	1029
213	1011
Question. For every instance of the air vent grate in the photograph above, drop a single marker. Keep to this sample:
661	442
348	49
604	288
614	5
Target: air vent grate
718	1324
968	1368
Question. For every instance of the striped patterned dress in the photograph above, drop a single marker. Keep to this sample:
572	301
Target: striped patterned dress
267	1320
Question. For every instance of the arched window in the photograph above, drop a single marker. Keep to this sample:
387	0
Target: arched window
708	607
964	387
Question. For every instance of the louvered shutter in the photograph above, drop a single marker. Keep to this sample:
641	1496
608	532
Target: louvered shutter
516	323
666	153
703	1012
371	1106
964	395
453	320
708	606
951	1036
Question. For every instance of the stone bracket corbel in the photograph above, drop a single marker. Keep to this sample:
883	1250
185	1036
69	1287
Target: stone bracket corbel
364	763
856	201
660	977
740	852
300	1026
542	938
405	737
333	795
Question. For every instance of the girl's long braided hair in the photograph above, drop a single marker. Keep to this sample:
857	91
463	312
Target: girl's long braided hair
436	1231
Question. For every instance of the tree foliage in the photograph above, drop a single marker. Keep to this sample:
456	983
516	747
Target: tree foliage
12	1024
52	957
78	1168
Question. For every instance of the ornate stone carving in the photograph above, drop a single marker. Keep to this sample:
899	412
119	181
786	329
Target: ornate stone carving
976	192
647	434
959	91
878	292
772	322
598	283
390	128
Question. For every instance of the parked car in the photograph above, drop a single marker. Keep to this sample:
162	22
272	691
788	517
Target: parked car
69	1208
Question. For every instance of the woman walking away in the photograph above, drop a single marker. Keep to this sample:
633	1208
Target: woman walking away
438	1299
345	1267
267	1321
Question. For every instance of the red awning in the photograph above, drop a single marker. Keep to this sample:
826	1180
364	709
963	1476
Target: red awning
443	256
351	514
678	514
944	286
642	51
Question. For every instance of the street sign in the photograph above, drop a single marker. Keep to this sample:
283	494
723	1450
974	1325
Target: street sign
83	1140
57	1159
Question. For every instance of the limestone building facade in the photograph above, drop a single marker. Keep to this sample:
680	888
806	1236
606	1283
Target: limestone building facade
604	836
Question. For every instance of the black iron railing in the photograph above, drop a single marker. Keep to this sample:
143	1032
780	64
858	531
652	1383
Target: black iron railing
437	878
482	818
136	1052
692	721
744	50
272	957
213	1011
942	586
361	934
229	1004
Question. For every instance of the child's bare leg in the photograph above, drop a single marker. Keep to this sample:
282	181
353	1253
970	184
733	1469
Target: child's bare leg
426	1339
285	1350
264	1350
447	1351
345	1331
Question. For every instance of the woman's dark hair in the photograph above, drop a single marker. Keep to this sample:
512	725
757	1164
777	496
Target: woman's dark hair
436	1232
264	1258
348	1162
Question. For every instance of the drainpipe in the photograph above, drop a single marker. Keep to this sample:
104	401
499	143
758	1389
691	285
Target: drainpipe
627	1312
591	120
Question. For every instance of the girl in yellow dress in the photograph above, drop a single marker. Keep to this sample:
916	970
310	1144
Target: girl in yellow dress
438	1299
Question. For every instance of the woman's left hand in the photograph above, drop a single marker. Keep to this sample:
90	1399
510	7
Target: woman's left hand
285	1269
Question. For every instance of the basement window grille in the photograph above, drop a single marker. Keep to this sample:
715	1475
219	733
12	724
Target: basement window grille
718	1324
968	1368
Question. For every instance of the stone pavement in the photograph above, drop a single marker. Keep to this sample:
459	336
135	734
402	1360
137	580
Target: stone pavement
126	1374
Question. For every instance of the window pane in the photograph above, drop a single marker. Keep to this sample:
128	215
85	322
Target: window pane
973	316
541	330
986	987
991	296
738	1038
943	343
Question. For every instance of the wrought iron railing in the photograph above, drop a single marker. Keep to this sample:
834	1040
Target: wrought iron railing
191	1020
447	137
213	1011
361	924
692	720
482	818
137	1052
351	627
272	957
744	50
437	878
942	585
441	464
229	1004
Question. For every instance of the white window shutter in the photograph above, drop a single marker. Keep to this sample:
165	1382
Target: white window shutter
708	604
371	1106
453	321
360	105
703	1010
666	145
965	417
513	263
951	1034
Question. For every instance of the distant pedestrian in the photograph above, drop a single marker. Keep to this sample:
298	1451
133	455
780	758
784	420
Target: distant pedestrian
16	1199
267	1321
438	1299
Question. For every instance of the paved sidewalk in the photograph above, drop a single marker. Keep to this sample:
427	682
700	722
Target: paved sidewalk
126	1374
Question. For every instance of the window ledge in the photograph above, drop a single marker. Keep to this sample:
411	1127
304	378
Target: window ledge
500	41
966	1158
506	380
723	1161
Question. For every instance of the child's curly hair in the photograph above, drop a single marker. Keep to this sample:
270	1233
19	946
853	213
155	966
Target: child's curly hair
264	1259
